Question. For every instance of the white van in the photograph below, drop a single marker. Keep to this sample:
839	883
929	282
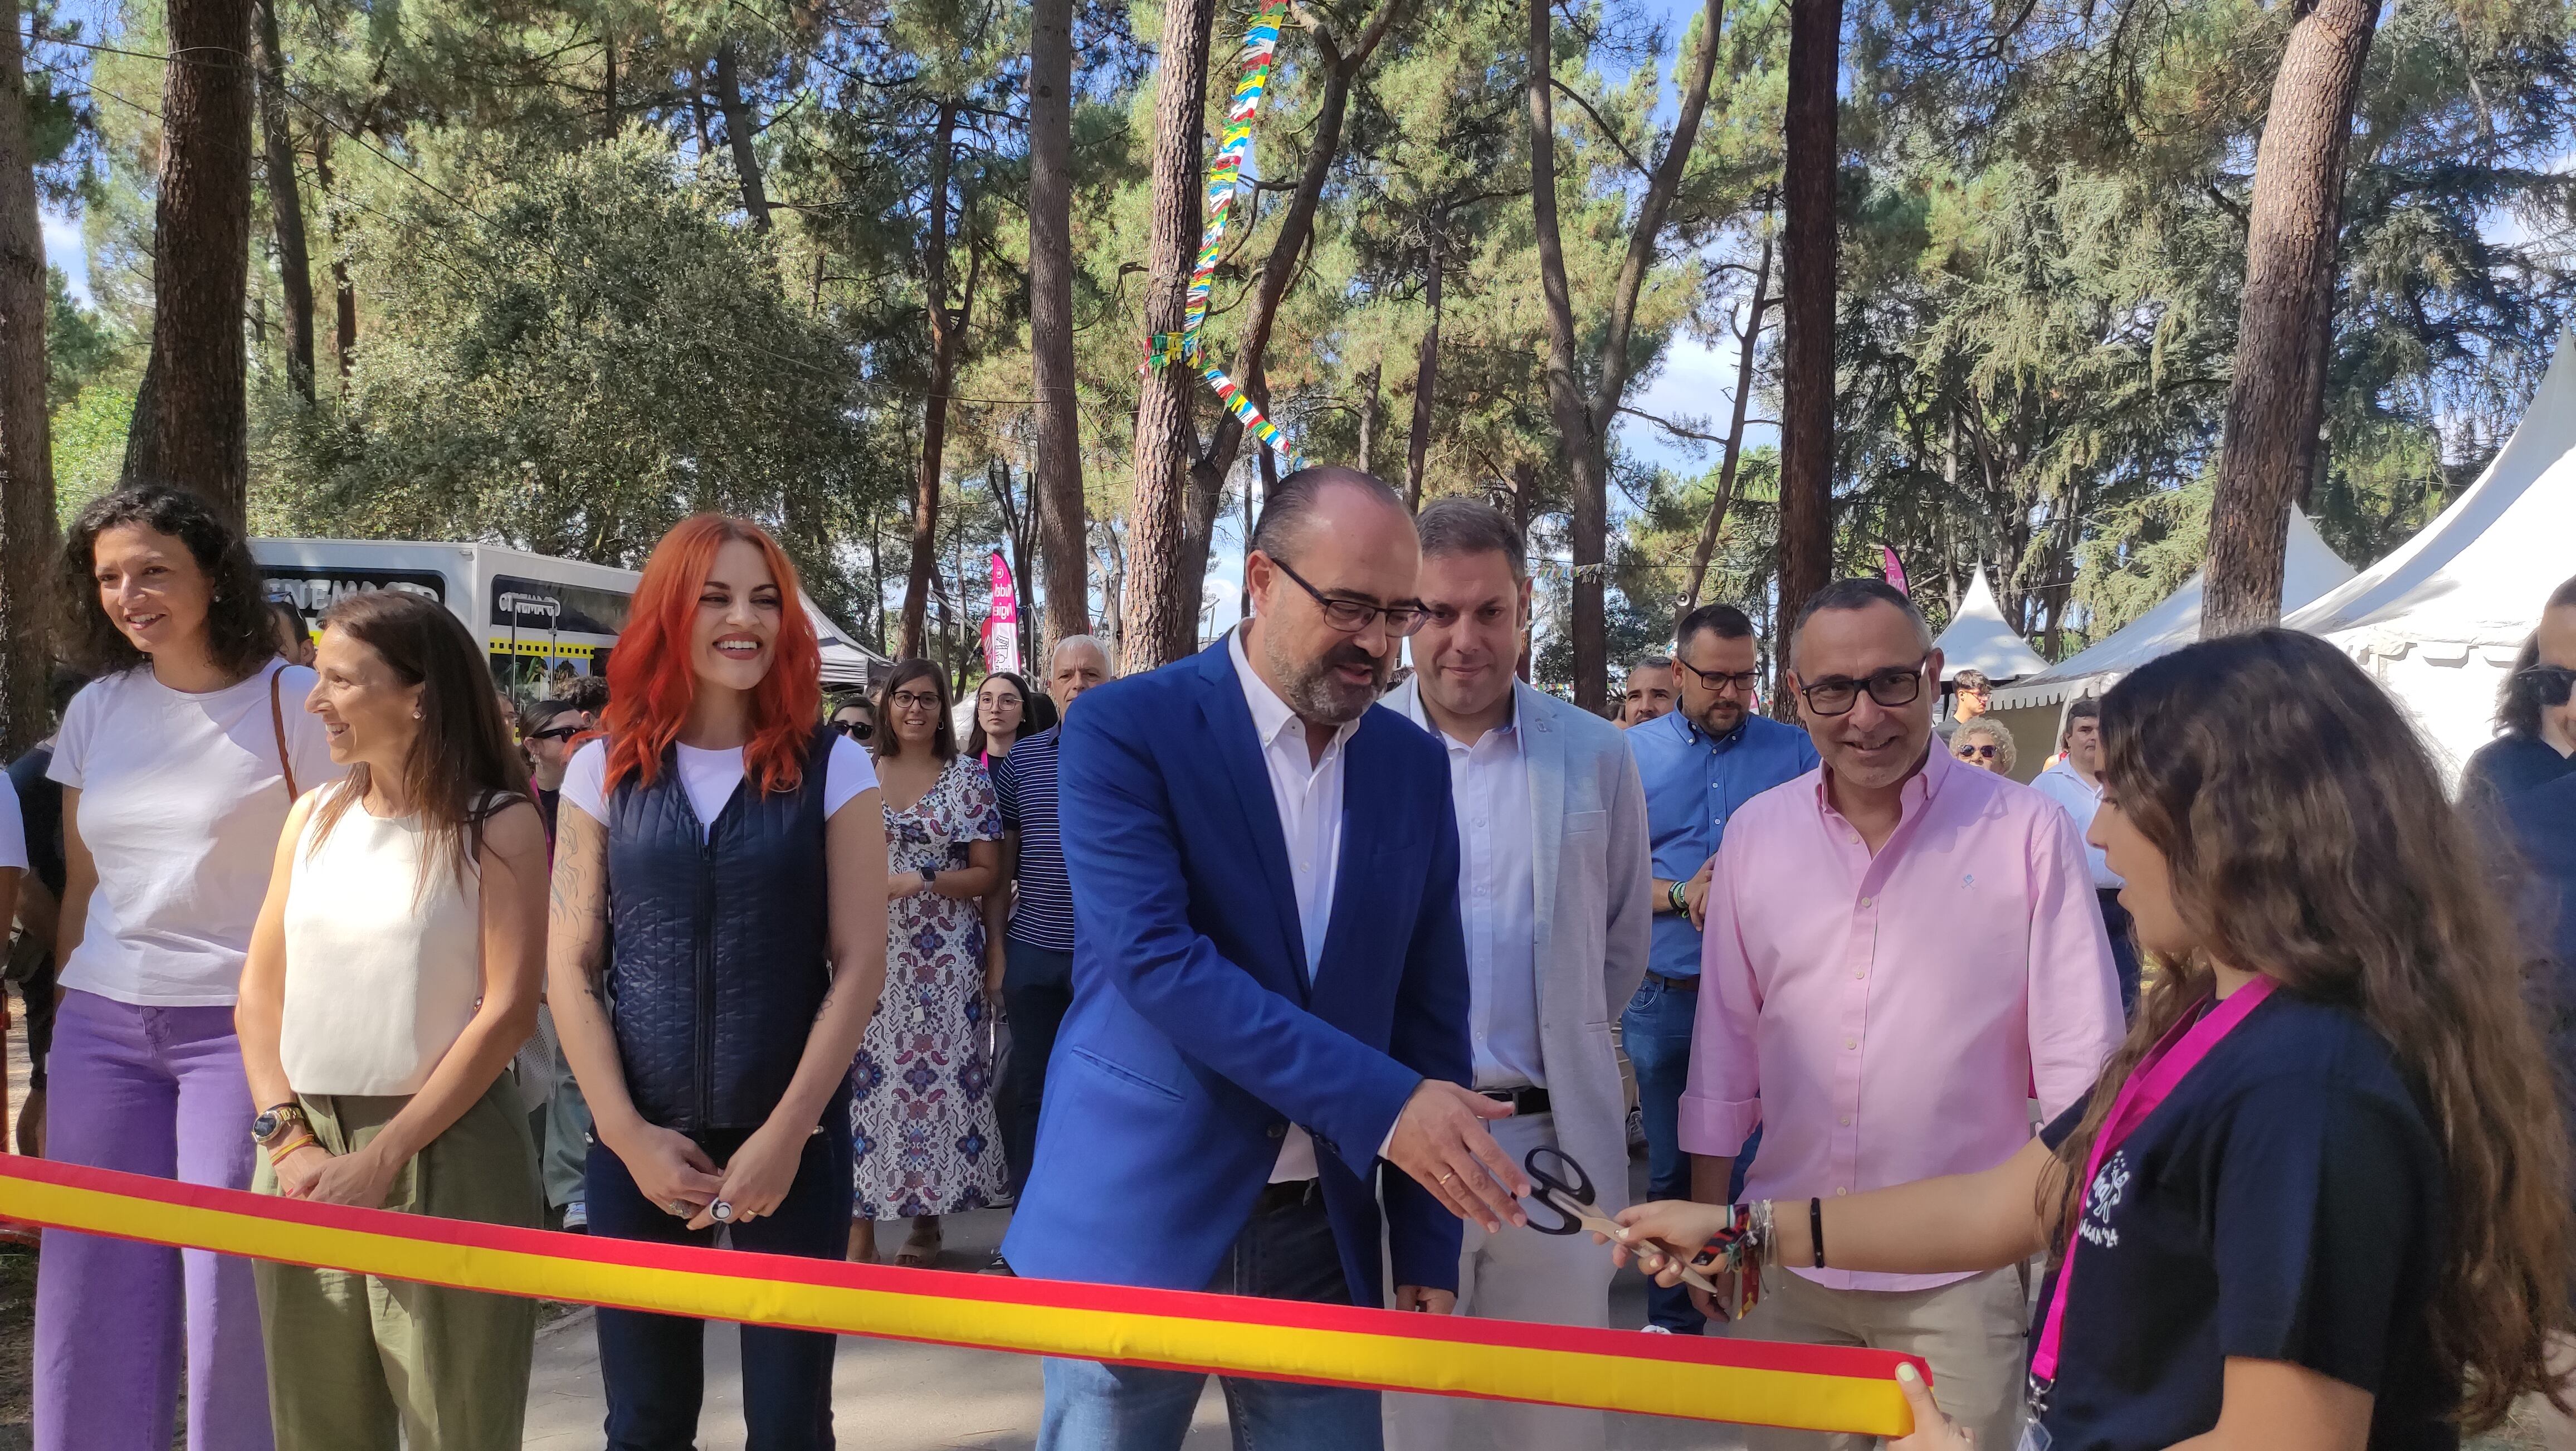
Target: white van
541	619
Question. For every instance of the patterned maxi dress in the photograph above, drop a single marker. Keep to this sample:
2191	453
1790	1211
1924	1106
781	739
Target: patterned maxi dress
921	1101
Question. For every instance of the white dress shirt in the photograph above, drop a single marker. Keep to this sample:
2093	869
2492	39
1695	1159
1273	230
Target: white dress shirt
1497	900
2066	786
1308	792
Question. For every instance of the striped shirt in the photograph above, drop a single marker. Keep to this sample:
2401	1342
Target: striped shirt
1025	781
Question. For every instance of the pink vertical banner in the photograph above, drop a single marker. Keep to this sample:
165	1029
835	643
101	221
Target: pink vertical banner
1002	625
1892	568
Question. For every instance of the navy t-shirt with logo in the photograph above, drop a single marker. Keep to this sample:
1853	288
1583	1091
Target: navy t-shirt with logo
2285	1202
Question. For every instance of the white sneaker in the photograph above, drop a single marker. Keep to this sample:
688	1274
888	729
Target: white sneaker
576	1216
1655	1330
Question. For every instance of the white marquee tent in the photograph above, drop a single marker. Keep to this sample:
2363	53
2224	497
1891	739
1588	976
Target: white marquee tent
2308	570
1979	638
2438	621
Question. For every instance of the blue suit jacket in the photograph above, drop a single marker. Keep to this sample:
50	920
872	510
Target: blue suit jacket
1194	1041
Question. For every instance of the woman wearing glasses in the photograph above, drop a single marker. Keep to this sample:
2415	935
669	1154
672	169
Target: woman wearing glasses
2535	716
1984	744
926	1142
856	717
546	730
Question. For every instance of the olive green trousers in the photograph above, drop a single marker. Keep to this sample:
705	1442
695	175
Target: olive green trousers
358	1363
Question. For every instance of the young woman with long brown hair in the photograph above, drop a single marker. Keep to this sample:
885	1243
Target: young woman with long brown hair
2317	1201
393	973
729	846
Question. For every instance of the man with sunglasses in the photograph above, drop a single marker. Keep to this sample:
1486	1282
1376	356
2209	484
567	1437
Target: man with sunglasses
2535	716
1900	945
1700	764
1260	1088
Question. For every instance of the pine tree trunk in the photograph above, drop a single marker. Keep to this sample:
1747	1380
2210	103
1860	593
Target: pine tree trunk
197	434
740	127
344	296
1165	435
2275	401
1589	623
285	204
27	541
1059	448
1426	380
1524	484
1810	165
934	409
1372	418
1748	343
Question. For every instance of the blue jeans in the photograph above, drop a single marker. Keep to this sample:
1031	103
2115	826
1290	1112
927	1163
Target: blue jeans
654	1365
1286	1255
1656	1031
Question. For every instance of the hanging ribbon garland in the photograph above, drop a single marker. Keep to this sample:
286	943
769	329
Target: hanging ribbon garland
1260	46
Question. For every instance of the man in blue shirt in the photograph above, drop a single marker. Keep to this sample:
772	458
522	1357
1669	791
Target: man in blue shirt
1699	765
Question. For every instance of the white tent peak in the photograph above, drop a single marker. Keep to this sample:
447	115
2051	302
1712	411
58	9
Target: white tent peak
2308	569
2475	576
1979	638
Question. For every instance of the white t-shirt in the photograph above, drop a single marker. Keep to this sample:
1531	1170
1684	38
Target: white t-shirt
181	804
13	836
710	776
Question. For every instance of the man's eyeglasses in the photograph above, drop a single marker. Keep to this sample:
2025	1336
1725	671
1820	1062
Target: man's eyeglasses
1837	694
2550	684
857	730
1985	752
1743	682
1352	616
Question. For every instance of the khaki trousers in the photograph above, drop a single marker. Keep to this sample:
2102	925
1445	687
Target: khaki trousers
1971	1333
354	1362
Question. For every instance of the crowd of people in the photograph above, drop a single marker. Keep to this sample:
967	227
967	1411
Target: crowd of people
1302	977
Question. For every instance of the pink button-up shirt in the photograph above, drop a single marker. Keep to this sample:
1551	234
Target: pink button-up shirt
1886	1017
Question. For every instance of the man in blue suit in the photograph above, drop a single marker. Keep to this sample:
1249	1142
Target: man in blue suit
1268	1042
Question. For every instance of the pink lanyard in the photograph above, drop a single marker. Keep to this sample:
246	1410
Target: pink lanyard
2149	1085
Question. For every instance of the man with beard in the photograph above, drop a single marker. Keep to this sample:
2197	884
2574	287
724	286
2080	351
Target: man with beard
1699	764
1268	1042
1899	947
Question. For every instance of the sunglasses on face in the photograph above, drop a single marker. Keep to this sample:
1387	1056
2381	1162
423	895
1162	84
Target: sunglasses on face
857	730
2550	684
1975	753
559	733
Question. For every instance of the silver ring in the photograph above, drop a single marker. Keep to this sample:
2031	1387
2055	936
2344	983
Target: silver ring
721	1212
679	1208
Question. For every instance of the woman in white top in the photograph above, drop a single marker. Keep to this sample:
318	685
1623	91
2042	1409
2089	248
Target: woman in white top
394	971
178	765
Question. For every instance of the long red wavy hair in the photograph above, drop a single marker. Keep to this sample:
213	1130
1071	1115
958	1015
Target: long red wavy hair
651	682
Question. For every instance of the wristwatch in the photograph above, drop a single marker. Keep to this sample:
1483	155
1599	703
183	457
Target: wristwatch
273	1125
930	876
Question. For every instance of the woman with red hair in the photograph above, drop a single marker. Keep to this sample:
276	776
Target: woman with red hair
717	944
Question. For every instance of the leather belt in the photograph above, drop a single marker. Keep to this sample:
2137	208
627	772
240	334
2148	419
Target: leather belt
1673	984
1524	1100
1287	1194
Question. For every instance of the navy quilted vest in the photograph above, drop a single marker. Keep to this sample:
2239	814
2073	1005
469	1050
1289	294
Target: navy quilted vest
720	961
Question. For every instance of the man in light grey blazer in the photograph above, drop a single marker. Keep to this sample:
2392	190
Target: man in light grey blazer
1554	889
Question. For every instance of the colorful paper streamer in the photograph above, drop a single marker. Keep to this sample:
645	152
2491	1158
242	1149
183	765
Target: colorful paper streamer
1234	149
1803	1387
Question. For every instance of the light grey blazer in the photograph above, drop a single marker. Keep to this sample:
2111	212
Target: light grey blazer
1594	882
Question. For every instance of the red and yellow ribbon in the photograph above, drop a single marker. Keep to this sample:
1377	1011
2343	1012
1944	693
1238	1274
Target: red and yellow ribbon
1816	1388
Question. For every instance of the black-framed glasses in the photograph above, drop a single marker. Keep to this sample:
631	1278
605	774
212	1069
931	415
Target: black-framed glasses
1352	616
1742	682
1837	694
1985	752
857	730
559	733
911	700
2550	684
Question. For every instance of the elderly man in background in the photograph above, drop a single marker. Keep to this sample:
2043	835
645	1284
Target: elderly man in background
1651	688
1037	971
1899	947
1700	765
1553	886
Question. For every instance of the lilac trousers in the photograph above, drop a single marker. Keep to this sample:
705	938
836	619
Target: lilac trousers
151	1091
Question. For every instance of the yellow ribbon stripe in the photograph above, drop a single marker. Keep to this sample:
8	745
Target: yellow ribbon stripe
1800	1387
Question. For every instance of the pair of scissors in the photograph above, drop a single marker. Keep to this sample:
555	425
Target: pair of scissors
1567	1190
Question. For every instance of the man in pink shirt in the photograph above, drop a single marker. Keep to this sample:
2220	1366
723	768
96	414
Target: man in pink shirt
1898	949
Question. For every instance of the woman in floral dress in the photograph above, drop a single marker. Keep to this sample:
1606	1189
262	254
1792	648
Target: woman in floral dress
921	1104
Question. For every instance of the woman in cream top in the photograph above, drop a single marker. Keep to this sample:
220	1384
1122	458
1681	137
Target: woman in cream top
393	973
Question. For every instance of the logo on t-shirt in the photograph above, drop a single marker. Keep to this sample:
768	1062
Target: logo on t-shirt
2104	1196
